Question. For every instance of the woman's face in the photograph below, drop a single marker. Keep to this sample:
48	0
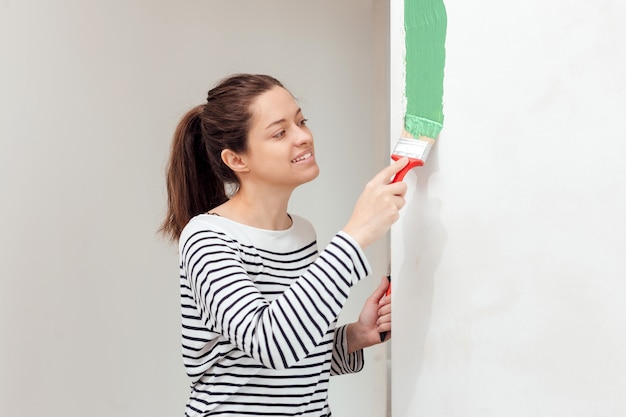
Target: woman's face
280	145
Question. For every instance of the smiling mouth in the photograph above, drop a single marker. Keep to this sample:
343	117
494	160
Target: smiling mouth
303	157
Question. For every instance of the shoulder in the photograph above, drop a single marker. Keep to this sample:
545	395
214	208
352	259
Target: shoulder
203	226
300	224
203	222
301	230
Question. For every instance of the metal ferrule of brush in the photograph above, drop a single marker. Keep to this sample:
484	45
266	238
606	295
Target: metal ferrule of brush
414	148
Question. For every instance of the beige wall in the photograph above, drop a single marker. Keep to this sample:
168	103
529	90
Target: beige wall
90	94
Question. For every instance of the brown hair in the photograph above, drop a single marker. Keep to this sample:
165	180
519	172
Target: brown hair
196	175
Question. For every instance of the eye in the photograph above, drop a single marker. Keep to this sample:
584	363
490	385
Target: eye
279	134
303	122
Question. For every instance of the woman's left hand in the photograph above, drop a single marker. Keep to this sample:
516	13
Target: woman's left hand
375	318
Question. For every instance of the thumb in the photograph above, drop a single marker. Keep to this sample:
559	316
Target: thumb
380	291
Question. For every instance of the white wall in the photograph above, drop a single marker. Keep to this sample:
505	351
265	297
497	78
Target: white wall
90	92
509	258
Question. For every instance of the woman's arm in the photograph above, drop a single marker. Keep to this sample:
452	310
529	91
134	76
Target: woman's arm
280	333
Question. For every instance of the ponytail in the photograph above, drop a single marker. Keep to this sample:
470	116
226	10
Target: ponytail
192	185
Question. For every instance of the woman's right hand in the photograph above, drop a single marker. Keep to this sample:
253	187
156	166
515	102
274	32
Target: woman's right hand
378	207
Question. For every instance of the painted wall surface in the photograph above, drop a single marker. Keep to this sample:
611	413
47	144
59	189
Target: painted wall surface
509	266
90	93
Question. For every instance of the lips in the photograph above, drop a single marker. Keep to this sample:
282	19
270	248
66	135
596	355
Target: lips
302	157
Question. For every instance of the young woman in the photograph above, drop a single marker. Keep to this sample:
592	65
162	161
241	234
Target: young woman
259	301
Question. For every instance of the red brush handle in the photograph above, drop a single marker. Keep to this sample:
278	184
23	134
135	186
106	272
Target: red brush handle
412	164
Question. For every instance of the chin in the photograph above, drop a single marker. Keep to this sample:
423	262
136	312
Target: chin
314	173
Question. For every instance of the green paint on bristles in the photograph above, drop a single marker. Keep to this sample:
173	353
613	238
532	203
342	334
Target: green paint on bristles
419	126
425	24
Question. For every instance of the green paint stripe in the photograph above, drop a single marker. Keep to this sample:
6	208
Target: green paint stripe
425	24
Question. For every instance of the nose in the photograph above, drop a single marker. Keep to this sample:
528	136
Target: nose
304	135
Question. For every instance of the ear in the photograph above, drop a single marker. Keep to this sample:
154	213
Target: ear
234	161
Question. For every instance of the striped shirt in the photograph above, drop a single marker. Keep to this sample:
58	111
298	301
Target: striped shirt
259	313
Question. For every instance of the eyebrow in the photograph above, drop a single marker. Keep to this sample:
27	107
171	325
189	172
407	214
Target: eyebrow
282	120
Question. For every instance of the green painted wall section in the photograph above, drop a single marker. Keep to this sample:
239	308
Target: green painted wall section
425	23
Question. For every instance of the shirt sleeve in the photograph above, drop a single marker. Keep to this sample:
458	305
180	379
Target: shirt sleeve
343	362
279	333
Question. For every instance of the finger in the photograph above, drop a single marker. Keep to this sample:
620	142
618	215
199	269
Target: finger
383	323
392	169
385	318
384	309
397	188
383	326
399	200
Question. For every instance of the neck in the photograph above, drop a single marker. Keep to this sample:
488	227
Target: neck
262	210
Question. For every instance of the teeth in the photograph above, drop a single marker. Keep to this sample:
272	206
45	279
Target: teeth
302	158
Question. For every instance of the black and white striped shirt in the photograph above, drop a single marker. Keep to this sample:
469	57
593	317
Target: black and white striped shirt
259	313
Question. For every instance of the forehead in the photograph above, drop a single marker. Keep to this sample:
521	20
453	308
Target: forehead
272	105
